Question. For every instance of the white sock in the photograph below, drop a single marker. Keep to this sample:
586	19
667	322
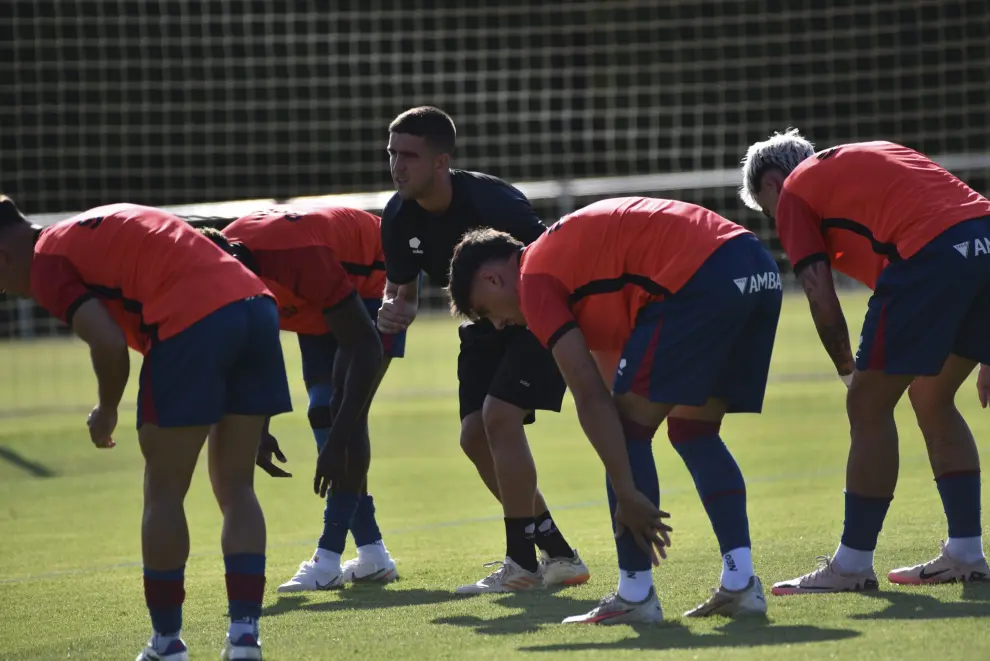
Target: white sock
238	628
162	641
737	569
635	586
965	549
376	553
327	560
851	561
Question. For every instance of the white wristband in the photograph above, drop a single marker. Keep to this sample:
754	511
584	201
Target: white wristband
847	379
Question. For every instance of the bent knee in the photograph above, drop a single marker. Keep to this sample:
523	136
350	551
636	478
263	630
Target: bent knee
232	495
500	417
473	438
929	401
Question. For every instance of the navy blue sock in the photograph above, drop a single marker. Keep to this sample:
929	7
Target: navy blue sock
164	592
863	521
717	478
245	584
364	527
338	517
960	494
639	446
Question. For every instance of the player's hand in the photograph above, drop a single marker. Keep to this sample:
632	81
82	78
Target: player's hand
983	386
101	425
644	521
395	316
330	467
268	448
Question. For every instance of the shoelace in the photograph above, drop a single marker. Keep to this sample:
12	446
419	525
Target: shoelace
502	568
824	565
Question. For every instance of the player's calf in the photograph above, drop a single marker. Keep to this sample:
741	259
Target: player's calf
232	450
170	456
474	444
722	490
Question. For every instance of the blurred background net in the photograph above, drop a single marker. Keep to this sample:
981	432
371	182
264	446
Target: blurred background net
190	103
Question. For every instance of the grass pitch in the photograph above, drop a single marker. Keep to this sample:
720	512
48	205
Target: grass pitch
70	574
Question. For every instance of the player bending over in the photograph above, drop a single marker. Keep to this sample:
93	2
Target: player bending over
691	301
124	275
503	375
325	267
895	221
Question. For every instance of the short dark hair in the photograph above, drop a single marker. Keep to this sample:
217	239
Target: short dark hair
236	250
429	123
9	213
475	249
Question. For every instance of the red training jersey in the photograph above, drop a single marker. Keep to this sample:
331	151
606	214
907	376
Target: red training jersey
156	274
313	259
597	267
864	204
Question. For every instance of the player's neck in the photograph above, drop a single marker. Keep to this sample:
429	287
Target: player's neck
438	199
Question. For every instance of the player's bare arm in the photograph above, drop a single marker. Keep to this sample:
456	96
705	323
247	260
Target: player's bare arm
816	279
983	385
355	375
111	363
399	307
600	421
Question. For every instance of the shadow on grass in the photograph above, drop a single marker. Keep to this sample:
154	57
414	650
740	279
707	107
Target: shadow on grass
904	605
735	633
358	598
540	609
32	467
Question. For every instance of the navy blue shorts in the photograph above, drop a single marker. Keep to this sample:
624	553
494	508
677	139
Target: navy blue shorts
318	351
932	304
713	338
229	362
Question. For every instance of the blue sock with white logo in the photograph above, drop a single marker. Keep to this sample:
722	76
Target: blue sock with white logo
635	568
722	490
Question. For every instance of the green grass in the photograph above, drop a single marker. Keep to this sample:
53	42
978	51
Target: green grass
70	583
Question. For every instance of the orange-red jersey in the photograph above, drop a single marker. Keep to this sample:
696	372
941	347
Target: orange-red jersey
156	274
313	259
596	267
864	204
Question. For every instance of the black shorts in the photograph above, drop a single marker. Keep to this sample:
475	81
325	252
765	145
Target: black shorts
510	365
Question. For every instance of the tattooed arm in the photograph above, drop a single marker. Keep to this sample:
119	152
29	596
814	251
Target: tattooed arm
816	279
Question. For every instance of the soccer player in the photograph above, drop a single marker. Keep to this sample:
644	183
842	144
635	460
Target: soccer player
126	275
691	300
325	267
504	376
894	220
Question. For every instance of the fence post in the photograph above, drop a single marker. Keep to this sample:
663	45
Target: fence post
565	200
25	318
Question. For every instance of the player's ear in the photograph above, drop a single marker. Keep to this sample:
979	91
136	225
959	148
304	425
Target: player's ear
442	162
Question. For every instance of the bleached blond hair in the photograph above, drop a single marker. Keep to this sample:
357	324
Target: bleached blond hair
781	151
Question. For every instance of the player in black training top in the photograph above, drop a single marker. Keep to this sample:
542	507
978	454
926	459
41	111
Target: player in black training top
503	375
